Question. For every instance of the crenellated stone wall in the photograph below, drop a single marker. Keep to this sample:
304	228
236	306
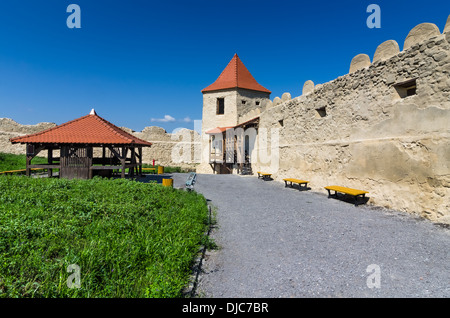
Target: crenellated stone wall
361	130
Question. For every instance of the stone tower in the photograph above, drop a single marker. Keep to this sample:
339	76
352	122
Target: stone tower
234	94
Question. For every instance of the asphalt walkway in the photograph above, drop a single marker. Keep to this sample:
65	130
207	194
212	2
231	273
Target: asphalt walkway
281	242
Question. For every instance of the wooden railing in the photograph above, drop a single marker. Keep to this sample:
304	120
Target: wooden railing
216	157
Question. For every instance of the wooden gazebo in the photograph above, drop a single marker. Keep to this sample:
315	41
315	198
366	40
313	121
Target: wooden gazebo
88	146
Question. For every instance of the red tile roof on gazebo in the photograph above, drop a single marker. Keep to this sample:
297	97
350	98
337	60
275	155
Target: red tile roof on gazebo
236	75
89	129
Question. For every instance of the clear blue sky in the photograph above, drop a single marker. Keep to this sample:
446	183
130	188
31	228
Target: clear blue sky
137	60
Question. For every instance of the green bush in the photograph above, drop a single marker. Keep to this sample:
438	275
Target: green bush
129	239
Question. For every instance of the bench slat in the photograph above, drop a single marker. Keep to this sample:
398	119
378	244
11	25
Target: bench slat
350	191
265	176
295	180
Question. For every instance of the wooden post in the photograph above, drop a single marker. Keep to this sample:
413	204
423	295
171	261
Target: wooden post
90	161
140	161
123	160
132	161
50	161
28	170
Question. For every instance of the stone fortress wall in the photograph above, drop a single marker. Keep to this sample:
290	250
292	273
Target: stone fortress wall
362	130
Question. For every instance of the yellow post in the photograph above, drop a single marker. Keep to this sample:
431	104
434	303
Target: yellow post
167	182
160	169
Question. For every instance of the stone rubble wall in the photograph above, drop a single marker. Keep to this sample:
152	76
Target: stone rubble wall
10	129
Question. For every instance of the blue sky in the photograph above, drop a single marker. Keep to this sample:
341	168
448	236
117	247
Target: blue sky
134	61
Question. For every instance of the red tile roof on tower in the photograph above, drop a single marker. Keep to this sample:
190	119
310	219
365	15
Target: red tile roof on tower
89	129
236	75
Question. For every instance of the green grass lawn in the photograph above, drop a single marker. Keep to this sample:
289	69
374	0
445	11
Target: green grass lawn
17	162
129	239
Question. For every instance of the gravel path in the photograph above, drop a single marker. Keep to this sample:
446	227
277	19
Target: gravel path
279	242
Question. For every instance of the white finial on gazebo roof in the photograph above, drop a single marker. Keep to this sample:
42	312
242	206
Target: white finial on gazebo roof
93	112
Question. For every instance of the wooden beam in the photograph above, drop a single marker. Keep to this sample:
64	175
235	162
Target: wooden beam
139	153
122	160
118	156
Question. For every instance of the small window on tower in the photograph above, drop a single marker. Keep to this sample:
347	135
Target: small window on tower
220	110
257	103
243	102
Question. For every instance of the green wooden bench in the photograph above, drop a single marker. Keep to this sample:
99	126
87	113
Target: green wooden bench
353	192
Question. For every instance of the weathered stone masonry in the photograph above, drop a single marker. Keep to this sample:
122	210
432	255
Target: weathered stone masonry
361	130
